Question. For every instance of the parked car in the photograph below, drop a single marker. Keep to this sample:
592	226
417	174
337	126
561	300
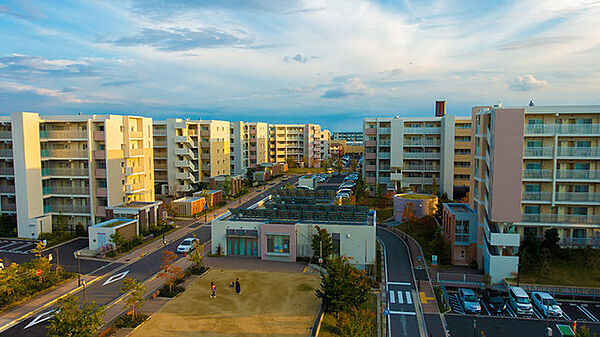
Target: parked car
303	187
546	304
469	301
349	183
344	190
342	196
187	245
494	300
519	301
284	178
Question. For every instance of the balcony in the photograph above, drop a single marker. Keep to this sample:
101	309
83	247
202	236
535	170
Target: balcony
422	155
421	142
63	135
535	174
6	153
577	197
383	155
417	181
497	238
395	176
585	152
159	143
64	154
384	167
101	211
129	171
580	242
420	168
136	152
99	135
184	152
578	175
536	196
5	134
100	173
422	130
159	132
8	207
370	143
370	155
65	172
371	168
561	218
370	131
101	192
134	188
6	189
7	171
563	129
136	135
538	152
66	190
384	143
185	176
160	166
74	209
384	131
370	180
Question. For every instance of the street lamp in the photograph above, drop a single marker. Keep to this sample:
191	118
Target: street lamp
164	242
79	274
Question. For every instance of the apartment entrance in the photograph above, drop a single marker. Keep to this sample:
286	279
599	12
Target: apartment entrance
242	246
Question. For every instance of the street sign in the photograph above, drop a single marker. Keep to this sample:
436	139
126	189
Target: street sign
49	257
434	260
38	272
565	330
386	311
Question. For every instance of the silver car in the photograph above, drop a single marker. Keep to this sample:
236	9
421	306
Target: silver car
187	245
469	301
546	304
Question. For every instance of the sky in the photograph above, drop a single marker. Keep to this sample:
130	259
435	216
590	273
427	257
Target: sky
281	61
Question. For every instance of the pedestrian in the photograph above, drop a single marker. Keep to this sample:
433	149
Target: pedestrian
238	287
213	289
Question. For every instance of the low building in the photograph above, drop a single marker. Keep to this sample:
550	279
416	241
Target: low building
283	232
459	228
218	183
213	197
261	176
99	236
422	204
308	181
189	206
145	212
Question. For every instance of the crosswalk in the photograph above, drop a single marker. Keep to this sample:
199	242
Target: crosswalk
400	297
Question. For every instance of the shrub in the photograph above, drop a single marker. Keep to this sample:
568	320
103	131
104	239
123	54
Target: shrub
129	321
166	291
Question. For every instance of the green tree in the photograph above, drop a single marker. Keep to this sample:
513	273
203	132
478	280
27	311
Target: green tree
134	291
353	165
291	161
73	319
338	166
170	272
361	189
356	322
343	287
408	213
551	241
325	164
227	186
118	240
62	224
197	256
322	243
379	191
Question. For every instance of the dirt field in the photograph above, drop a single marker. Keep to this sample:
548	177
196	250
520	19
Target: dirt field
271	304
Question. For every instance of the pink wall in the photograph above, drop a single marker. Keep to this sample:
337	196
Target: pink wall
277	229
507	165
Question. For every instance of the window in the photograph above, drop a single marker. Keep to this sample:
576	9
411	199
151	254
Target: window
534	143
534	166
535	122
335	238
585	144
582	166
580	210
533	188
581	188
532	209
278	244
583	121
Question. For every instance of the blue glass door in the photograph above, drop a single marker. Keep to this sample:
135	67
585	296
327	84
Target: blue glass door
242	247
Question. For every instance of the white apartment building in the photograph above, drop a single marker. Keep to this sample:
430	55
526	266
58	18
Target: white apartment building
535	168
299	141
325	144
188	152
415	152
72	167
249	146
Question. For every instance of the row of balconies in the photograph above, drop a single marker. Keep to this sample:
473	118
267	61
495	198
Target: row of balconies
422	142
56	208
7	189
63	134
66	190
8	207
563	129
422	130
65	171
414	180
7	171
548	152
578	197
421	167
64	153
5	134
6	153
546	174
134	188
422	155
562	218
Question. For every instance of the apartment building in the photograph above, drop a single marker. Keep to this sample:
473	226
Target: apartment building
350	137
187	152
325	144
535	168
249	146
72	167
416	153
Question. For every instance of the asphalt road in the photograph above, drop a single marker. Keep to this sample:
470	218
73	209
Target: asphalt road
104	292
401	290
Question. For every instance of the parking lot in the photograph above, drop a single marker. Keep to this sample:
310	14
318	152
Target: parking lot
17	246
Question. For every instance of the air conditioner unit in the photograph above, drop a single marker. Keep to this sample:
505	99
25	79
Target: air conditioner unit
128	171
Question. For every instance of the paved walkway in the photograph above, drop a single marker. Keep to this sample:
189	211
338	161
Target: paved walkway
253	263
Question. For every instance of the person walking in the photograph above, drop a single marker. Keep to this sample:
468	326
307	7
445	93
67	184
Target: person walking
238	286
213	289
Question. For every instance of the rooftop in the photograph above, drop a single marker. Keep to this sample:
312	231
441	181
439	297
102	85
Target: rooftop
459	208
188	199
136	205
415	196
114	223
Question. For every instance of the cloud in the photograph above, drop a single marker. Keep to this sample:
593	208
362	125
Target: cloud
118	83
298	58
336	93
526	83
64	97
23	65
24	10
353	87
171	7
181	39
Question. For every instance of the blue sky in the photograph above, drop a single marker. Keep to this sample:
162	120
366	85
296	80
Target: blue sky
329	62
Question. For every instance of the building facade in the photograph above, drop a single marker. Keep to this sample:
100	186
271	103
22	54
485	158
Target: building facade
68	169
350	137
249	146
416	153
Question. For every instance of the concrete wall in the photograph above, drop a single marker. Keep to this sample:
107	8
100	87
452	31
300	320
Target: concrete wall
422	207
278	229
219	228
447	156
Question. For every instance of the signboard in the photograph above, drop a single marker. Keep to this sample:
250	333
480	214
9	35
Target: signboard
38	272
434	260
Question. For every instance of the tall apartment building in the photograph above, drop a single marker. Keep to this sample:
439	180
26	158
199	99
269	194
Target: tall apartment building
299	141
415	153
312	145
249	146
73	167
351	137
325	144
534	168
188	152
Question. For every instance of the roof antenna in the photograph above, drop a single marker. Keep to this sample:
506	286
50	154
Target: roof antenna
531	103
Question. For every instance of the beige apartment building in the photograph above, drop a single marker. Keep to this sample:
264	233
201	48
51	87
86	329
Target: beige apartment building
73	167
543	174
325	144
299	141
188	152
249	146
416	153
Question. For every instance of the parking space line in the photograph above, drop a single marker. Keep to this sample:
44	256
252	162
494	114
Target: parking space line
400	283
400	298
587	313
510	311
403	313
392	297
485	308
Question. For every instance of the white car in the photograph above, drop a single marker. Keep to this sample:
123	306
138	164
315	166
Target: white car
343	196
546	304
344	190
348	184
187	245
302	187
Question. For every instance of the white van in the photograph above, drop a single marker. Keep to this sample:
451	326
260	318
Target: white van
519	301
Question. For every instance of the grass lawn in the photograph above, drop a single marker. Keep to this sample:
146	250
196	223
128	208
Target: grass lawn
271	304
568	272
305	170
384	213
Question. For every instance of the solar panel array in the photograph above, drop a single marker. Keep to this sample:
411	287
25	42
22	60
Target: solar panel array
293	200
299	193
309	213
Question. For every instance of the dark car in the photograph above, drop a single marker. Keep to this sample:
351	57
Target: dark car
494	300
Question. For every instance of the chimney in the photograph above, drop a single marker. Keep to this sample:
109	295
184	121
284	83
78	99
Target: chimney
440	108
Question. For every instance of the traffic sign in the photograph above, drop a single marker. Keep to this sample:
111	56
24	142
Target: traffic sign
386	311
38	272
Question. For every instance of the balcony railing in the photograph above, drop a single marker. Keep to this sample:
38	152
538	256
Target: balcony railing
537	174
384	131
66	190
7	189
8	207
417	180
580	242
422	155
6	153
5	134
422	130
63	134
133	188
577	197
160	143
562	129
538	152
384	143
579	151
561	218
420	168
422	142
136	152
64	171
66	209
578	174
536	196
7	171
64	153
383	155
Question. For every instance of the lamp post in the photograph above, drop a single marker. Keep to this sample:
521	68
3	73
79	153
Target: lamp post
79	274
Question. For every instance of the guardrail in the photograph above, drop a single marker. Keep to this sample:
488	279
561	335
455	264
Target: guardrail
556	290
460	280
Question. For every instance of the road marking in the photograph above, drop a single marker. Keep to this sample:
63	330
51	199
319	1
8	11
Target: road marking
408	297
400	299
389	332
424	298
116	277
403	313
587	313
399	283
393	298
510	311
41	318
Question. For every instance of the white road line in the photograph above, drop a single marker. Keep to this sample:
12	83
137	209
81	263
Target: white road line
389	332
510	311
403	313
408	298
400	298
41	318
587	313
392	297
400	283
116	277
566	316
